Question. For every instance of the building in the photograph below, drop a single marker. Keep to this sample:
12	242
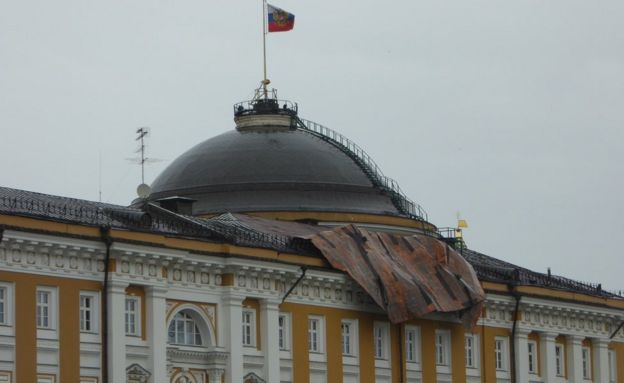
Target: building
279	252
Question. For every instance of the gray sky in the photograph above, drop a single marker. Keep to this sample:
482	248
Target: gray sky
509	112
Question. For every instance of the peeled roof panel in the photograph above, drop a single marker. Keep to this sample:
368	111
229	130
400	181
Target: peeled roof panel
408	276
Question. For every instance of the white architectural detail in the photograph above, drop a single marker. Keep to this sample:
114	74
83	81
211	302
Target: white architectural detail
157	330
575	358
269	319
521	354
116	332
548	357
137	374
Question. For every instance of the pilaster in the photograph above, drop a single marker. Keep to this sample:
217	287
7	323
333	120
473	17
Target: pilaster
156	310
521	352
574	362
269	321
233	312
116	336
547	357
600	357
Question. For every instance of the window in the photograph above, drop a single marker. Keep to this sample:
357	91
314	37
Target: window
132	315
500	353
44	302
183	330
412	344
612	370
559	360
585	353
471	350
347	334
284	332
532	356
315	334
442	347
88	318
3	304
249	326
379	340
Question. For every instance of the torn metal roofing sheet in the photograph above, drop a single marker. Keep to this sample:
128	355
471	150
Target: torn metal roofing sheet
408	276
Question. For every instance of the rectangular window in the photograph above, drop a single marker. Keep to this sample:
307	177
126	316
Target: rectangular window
132	315
470	347
314	335
585	353
379	340
283	332
43	308
612	370
88	312
3	304
442	347
248	328
559	360
346	330
500	353
532	356
412	344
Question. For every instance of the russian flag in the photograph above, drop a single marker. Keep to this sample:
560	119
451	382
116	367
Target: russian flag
279	19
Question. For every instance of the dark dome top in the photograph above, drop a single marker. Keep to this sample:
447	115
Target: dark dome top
270	169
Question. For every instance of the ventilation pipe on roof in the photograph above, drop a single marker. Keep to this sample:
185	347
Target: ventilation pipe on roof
108	241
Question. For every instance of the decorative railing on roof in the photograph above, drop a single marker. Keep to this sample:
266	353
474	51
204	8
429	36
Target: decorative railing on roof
528	277
350	148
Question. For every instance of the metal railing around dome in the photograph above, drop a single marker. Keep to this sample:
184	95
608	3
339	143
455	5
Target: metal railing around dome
400	200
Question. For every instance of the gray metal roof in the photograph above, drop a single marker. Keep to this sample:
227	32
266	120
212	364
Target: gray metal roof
270	170
242	230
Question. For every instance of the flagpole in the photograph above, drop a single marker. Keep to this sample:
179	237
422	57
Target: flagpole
264	33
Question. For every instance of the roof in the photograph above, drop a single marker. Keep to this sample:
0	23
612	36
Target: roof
271	170
244	230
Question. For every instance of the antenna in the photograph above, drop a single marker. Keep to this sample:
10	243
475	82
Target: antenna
142	134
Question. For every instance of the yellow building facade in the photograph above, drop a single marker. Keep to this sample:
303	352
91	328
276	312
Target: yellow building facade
218	276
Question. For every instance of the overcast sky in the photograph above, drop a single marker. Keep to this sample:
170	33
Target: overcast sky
510	112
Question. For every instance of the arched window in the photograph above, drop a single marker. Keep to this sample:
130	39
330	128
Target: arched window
184	330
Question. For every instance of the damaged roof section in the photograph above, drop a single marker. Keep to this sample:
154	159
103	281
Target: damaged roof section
408	276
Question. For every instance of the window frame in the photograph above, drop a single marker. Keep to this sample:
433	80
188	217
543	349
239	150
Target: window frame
49	305
353	334
413	350
283	332
532	357
474	350
318	332
7	317
560	360
442	348
137	315
191	318
380	340
504	353
251	326
94	320
586	365
612	365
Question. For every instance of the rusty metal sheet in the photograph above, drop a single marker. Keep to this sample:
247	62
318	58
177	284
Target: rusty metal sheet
408	276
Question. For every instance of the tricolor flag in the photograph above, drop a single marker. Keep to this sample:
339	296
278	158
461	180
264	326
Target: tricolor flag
279	19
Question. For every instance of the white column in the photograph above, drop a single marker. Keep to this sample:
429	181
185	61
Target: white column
156	311
233	312
600	356
116	336
548	362
574	364
215	375
521	351
269	321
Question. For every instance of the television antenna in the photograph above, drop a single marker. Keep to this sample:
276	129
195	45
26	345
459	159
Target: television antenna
142	134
